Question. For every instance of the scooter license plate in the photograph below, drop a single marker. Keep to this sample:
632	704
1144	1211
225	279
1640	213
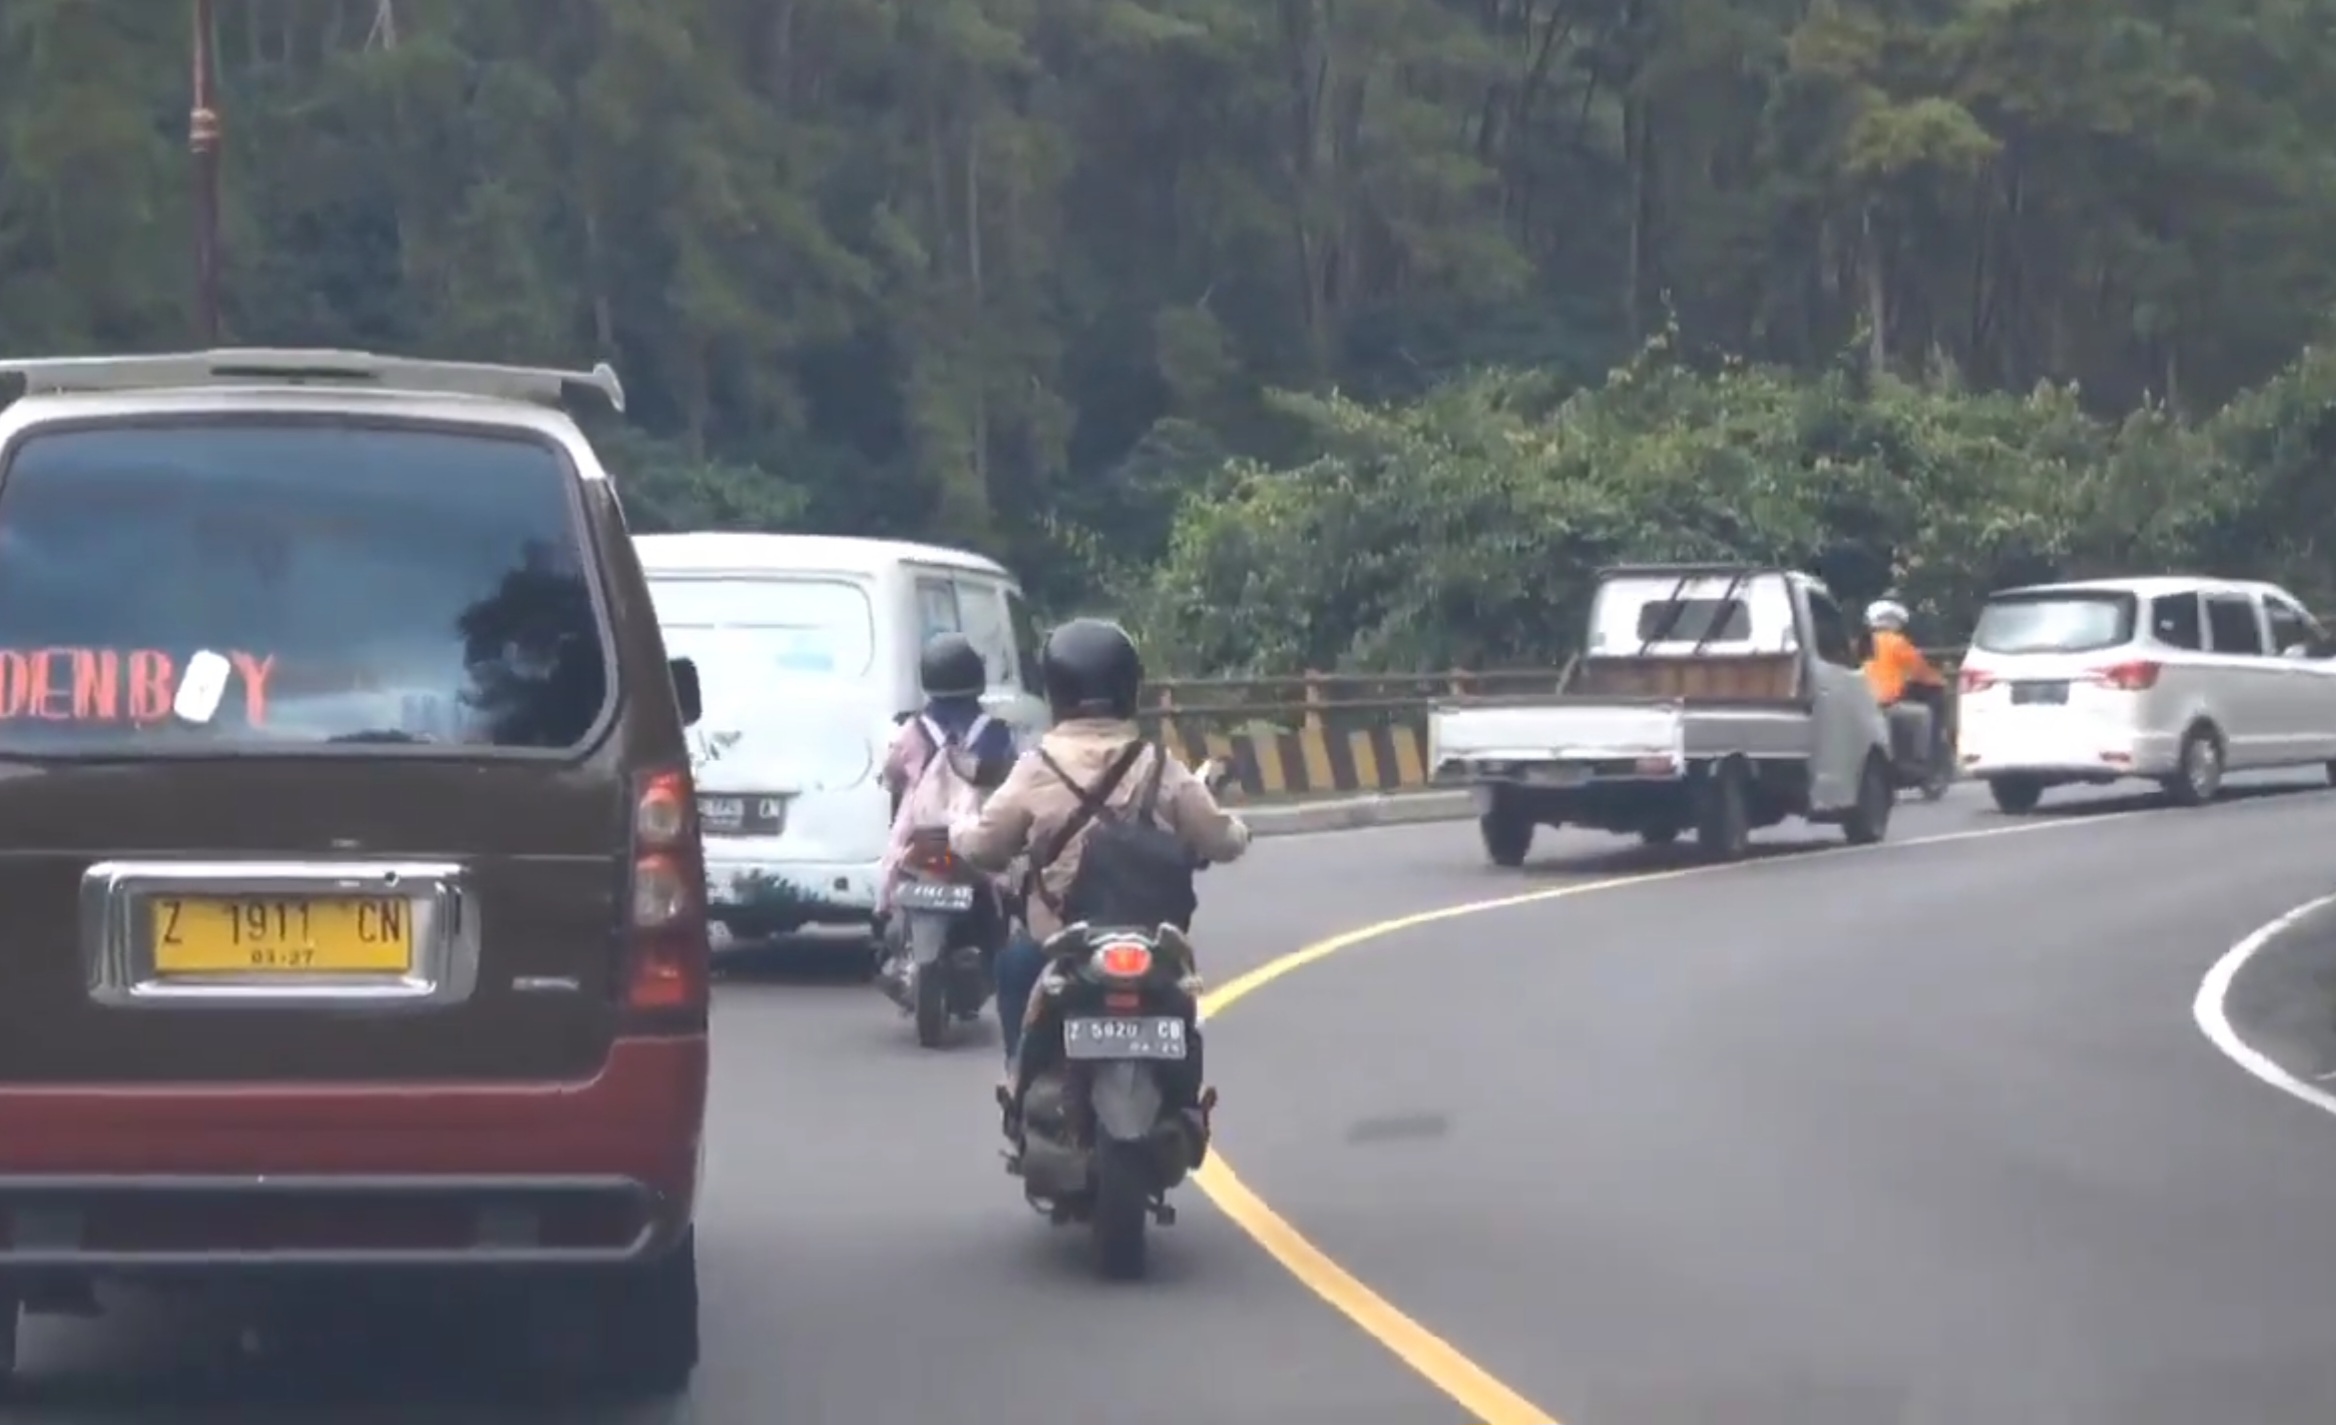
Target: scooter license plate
1130	1037
933	895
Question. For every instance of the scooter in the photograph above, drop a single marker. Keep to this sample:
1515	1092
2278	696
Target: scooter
1109	1110
941	938
1922	754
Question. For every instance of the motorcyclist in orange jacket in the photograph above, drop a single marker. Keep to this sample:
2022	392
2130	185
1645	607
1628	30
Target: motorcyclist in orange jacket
1898	672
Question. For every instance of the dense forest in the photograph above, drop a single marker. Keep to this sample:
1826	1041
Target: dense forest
1304	332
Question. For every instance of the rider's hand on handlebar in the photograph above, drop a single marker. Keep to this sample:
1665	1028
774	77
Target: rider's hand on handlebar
1214	775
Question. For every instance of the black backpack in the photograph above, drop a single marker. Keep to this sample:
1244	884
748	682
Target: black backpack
1133	872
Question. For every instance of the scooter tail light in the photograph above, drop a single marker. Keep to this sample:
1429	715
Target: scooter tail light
1124	959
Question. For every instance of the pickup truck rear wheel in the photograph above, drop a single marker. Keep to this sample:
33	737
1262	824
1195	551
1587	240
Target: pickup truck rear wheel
1507	831
1723	823
1877	793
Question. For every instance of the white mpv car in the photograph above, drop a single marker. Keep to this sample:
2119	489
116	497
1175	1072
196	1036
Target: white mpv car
2175	679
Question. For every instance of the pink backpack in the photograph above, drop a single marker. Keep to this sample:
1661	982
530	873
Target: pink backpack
939	795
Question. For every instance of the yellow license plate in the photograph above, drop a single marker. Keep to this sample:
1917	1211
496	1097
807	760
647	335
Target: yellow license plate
243	935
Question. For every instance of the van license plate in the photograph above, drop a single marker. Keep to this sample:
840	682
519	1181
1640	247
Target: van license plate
1133	1037
2035	694
748	815
933	895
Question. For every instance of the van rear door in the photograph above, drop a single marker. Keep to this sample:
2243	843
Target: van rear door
308	754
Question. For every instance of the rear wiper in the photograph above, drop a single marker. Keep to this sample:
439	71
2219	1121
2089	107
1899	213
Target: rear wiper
1673	610
381	735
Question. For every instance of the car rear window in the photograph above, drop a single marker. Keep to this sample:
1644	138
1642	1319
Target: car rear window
2055	623
1694	621
351	584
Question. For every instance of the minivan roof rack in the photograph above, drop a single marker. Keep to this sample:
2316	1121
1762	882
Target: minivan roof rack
269	366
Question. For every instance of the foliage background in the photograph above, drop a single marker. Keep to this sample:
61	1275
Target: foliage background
1305	332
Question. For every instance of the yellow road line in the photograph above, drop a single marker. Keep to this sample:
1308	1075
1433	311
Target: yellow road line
1479	1392
1476	1390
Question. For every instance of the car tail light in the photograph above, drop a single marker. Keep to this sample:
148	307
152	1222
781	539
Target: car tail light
2133	677
666	976
1974	681
1124	960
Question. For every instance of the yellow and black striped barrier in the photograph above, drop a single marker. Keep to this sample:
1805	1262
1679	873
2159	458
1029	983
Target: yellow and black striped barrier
1311	761
1323	734
1331	733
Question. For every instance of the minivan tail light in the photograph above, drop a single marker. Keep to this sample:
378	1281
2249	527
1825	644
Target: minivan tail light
661	811
1974	681
2137	676
666	966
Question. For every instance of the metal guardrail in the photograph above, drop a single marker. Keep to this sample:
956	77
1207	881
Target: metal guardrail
1314	734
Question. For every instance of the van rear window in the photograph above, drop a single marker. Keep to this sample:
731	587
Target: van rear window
2055	622
749	630
271	585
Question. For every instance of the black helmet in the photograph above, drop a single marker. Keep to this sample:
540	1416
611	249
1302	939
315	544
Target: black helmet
1092	669
951	667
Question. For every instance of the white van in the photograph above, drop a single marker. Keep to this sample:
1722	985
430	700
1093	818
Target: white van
2176	679
806	648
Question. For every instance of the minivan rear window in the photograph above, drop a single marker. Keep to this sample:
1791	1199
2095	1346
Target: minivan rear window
2055	622
352	584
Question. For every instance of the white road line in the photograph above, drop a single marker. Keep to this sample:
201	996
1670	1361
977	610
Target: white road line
2214	1019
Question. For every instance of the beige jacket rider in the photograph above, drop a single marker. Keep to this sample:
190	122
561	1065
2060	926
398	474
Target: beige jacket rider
1033	803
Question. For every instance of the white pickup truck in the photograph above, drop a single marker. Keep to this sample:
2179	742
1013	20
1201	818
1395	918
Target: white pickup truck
1714	697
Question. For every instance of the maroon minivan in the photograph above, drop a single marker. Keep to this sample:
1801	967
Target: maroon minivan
348	852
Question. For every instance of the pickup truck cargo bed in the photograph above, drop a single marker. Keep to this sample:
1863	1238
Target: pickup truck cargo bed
1588	729
1615	709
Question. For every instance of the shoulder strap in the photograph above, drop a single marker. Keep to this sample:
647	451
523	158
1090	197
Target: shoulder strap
1149	803
1091	802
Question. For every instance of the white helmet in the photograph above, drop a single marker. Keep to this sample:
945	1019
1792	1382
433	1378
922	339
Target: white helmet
1886	613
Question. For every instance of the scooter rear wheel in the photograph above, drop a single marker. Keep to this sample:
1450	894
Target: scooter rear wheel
932	1003
1122	1209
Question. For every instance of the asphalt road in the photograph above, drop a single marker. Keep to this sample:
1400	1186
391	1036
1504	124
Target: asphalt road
1923	1135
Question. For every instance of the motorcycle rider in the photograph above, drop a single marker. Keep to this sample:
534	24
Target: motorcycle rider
953	676
1092	674
1898	672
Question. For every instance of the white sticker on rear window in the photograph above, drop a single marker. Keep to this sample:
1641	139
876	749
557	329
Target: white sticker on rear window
200	691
